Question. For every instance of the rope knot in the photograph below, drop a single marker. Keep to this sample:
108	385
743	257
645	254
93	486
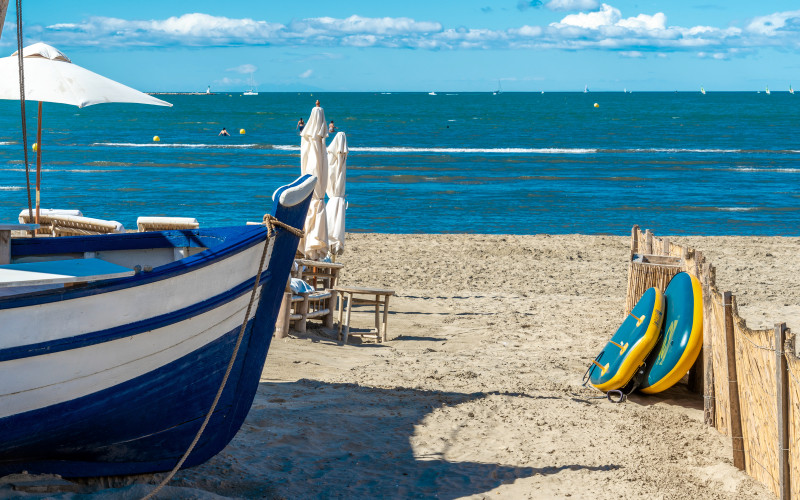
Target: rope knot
271	221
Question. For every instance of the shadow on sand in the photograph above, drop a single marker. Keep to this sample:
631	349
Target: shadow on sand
327	440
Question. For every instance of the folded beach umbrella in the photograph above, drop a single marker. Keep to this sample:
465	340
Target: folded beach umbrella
314	161
51	77
337	173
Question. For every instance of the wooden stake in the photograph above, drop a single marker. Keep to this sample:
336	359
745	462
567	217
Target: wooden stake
5	247
665	250
737	440
709	401
696	374
634	240
782	391
3	9
648	242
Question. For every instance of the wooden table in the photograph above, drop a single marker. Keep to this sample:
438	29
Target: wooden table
350	294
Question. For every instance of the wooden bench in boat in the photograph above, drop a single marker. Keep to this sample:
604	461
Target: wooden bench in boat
166	223
60	272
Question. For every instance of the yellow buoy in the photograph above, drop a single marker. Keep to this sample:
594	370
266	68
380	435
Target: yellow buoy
241	131
596	105
156	138
35	147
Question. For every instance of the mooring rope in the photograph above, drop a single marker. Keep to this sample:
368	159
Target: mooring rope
270	222
22	108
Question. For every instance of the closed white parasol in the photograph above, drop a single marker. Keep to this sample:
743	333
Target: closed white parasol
51	77
314	161
337	174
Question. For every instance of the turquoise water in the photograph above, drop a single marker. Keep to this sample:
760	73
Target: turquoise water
522	163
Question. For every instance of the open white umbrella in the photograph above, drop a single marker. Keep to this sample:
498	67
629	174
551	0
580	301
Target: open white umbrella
50	76
314	161
337	174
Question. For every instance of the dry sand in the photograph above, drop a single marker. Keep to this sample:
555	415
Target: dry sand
478	393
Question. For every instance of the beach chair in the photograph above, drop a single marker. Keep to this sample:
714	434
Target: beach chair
165	223
307	303
74	225
45	217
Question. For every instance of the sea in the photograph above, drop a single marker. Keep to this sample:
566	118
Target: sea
679	163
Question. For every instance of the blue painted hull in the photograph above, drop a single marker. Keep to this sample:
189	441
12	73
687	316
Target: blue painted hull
145	423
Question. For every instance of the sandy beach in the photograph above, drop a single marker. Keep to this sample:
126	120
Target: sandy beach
478	392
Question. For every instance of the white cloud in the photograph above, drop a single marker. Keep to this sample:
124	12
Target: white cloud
606	16
571	4
244	68
602	27
775	24
307	73
634	54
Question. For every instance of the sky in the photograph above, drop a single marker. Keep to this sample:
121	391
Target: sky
416	45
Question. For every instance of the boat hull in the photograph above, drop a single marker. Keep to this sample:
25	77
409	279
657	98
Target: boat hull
116	377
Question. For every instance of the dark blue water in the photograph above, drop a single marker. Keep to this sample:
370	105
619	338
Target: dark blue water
522	163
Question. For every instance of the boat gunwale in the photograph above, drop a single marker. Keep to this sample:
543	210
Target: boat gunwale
241	239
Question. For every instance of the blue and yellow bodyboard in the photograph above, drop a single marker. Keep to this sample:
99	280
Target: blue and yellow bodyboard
616	365
680	345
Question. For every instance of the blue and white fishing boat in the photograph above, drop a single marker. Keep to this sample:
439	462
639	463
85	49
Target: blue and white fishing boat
113	347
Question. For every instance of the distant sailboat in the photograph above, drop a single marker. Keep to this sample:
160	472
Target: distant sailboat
585	89
767	91
791	90
208	90
251	90
499	89
431	93
702	90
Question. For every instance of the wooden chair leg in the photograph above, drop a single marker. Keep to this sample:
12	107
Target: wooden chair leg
378	313
340	297
301	323
331	303
385	333
282	323
347	317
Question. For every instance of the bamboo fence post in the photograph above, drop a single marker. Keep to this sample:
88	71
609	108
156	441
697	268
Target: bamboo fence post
634	240
665	249
737	440
648	242
697	373
782	393
709	401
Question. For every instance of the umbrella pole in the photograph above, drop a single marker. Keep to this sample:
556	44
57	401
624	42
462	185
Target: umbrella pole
38	161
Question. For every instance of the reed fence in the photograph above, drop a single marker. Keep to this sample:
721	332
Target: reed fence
750	379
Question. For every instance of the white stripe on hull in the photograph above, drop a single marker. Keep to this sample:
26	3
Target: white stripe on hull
69	318
37	382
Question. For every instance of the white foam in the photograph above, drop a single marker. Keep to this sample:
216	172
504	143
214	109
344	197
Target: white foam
779	170
11	188
174	145
474	150
736	209
681	150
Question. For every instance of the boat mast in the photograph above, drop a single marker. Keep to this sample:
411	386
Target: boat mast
3	9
